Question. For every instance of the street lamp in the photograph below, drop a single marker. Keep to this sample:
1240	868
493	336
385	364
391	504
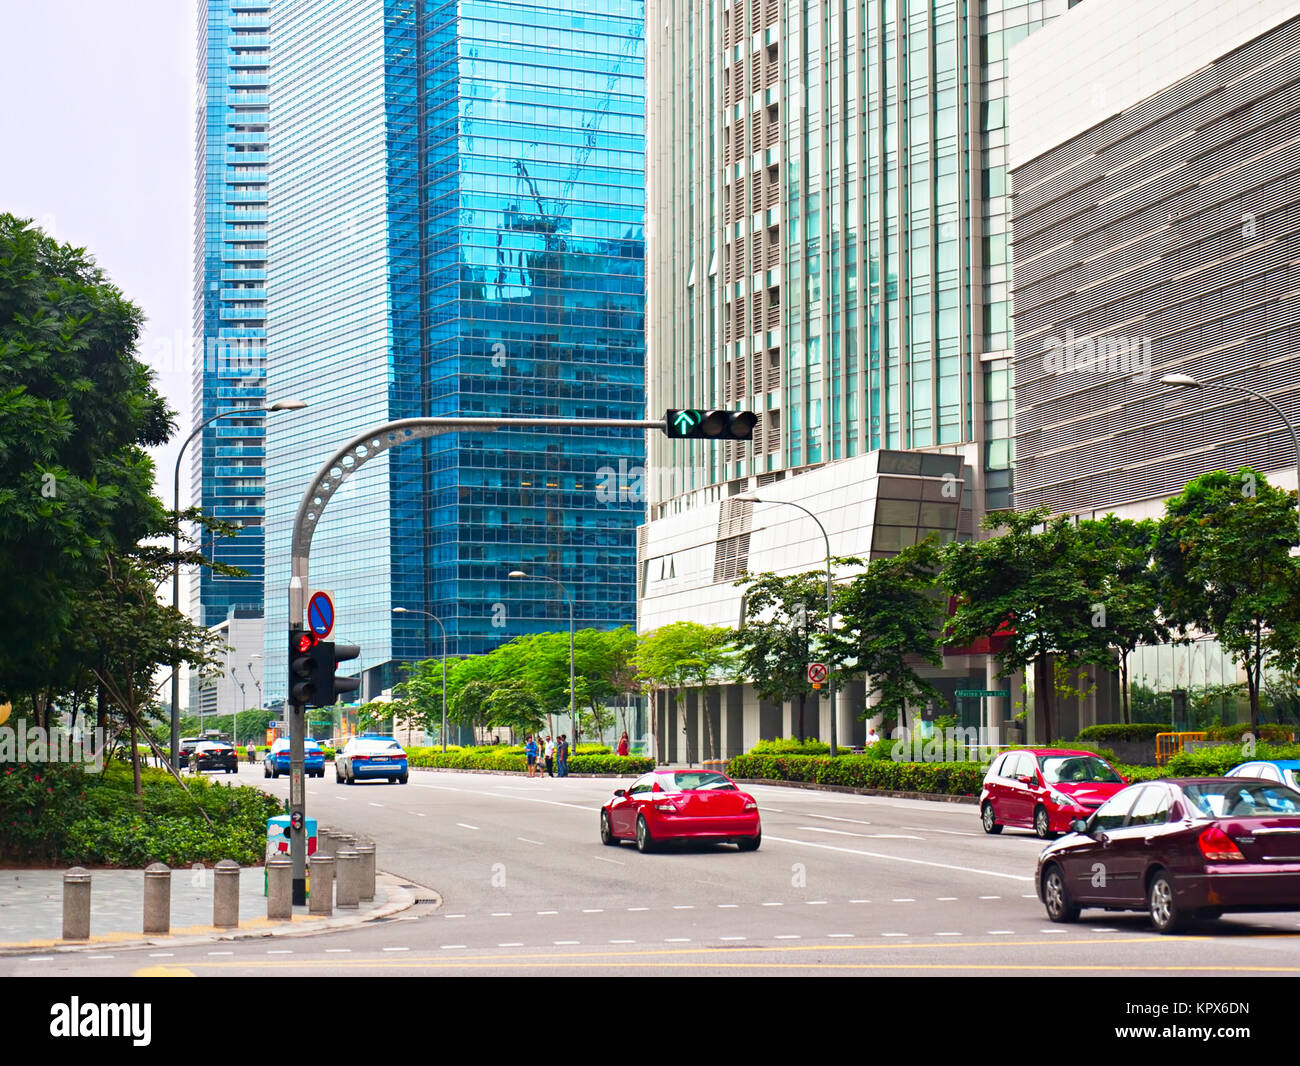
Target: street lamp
573	702
1186	381
279	405
426	614
830	620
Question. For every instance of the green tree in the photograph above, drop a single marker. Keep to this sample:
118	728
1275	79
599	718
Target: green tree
77	410
784	627
684	654
890	617
1031	585
1223	556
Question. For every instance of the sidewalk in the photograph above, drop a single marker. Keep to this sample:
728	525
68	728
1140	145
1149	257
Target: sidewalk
31	909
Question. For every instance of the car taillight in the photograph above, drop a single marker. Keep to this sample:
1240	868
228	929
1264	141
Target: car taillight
1217	846
663	805
750	805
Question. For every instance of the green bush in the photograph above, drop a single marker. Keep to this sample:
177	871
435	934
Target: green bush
790	746
511	761
1214	762
1270	731
1124	731
1135	774
36	802
863	771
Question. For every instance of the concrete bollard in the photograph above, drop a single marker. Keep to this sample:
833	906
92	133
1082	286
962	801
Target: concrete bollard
279	889
157	900
341	841
225	895
348	886
76	904
322	884
325	841
367	853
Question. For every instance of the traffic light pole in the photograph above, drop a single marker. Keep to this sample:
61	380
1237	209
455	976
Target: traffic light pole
338	468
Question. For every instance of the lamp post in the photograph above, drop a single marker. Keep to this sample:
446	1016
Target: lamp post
1186	381
426	614
830	618
281	405
573	701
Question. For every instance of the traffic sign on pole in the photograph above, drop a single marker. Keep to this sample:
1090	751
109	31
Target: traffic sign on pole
320	614
817	673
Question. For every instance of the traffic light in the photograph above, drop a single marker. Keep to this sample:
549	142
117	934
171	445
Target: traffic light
711	425
306	679
333	654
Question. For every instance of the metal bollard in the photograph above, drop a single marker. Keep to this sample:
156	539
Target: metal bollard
367	853
157	899
322	884
76	904
225	894
348	886
279	889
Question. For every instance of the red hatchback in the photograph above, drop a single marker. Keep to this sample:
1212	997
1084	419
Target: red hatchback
1045	789
681	805
1180	850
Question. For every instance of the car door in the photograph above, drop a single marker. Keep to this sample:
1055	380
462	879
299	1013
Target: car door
1133	845
1019	781
623	811
1087	862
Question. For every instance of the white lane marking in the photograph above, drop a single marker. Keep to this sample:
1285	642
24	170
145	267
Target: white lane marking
947	934
1002	932
814	902
893	934
1105	930
588	808
622	941
512	944
1030	895
773	904
566	943
338	951
614	861
774	810
846	833
449	947
453	916
932	829
280	951
210	953
728	906
406	918
595	910
418	814
463	825
945	899
731	938
376	804
162	954
887	836
788	936
39	958
397	949
677	940
684	906
859	901
836	818
1053	930
110	956
502	914
899	858
638	908
527	841
990	897
904	899
548	912
839	935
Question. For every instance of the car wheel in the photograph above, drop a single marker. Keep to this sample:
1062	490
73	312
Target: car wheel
988	820
750	843
266	769
1164	910
1043	825
338	777
1056	897
402	780
352	778
644	841
607	836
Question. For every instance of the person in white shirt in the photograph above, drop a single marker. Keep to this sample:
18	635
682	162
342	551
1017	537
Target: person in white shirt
872	736
550	757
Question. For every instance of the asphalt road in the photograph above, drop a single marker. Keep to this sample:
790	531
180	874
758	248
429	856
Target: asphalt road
842	885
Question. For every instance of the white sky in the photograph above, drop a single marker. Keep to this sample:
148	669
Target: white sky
97	145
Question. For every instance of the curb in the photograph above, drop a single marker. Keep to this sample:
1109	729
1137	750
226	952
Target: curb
399	898
933	797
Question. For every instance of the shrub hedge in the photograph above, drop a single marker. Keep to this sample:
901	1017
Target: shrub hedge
1124	731
862	771
510	761
1270	731
1214	762
790	746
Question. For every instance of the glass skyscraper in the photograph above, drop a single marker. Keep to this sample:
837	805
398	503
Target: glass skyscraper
228	460
457	229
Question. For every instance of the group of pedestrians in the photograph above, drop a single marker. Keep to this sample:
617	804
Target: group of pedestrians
552	754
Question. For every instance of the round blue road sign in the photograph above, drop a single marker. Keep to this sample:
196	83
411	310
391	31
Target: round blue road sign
320	614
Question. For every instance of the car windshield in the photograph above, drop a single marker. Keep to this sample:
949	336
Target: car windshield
1076	769
380	746
1228	799
697	780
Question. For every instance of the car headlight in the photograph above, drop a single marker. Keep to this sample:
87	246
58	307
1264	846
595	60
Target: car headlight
1061	799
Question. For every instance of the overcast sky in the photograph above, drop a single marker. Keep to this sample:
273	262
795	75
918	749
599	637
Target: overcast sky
97	145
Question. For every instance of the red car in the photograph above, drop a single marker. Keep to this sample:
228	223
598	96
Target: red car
1181	850
1045	789
681	805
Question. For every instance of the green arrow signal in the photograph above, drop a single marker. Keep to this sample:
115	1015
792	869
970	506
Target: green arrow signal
686	420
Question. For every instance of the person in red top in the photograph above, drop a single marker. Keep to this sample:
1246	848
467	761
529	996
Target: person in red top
622	744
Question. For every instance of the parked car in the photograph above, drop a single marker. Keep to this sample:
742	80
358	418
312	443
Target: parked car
1045	789
1283	771
215	755
370	756
668	805
277	759
1184	849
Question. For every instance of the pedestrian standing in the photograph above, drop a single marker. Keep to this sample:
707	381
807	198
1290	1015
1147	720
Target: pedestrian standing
252	753
562	756
550	757
623	744
530	751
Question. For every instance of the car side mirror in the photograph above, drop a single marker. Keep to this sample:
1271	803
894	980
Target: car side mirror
1079	825
620	792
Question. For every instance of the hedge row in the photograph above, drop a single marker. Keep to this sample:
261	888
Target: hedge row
1270	731
1124	731
860	771
790	746
510	762
1214	762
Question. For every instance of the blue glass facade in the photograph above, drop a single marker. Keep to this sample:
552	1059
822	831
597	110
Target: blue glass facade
458	230
228	459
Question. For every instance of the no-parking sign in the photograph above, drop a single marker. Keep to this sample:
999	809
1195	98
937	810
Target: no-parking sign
320	614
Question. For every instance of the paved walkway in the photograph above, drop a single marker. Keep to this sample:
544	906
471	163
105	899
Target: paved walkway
31	909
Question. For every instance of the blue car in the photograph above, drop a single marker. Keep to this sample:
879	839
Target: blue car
1283	771
368	757
277	759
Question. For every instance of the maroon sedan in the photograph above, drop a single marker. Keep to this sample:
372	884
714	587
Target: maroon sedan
1045	789
681	805
1181	850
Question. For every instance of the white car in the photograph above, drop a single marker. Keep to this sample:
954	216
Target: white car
370	757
